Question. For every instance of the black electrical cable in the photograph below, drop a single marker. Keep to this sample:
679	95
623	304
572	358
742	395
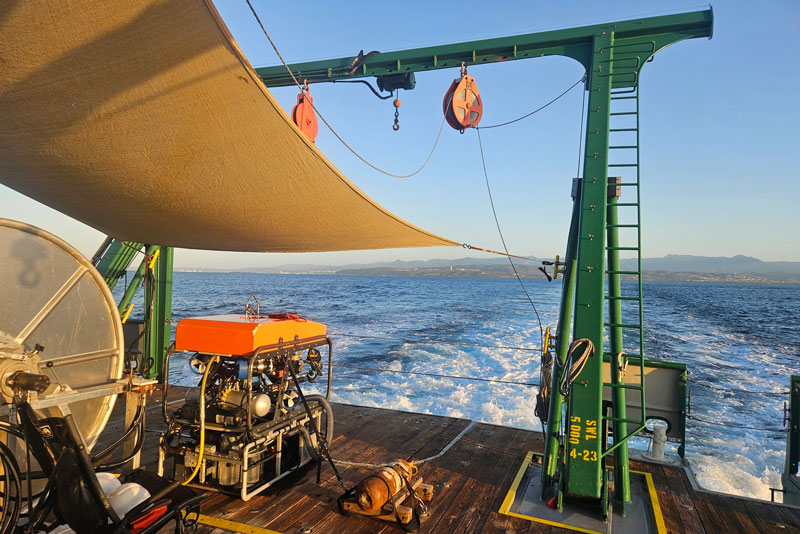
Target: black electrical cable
11	493
136	450
14	430
322	443
138	423
568	376
371	88
543	396
137	419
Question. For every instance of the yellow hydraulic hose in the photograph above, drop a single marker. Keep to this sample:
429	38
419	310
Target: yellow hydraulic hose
209	365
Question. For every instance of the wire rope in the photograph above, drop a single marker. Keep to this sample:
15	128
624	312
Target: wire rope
333	131
736	425
580	134
738	390
437	342
436	375
502	239
537	110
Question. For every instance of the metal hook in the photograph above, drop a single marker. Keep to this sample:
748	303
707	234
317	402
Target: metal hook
396	103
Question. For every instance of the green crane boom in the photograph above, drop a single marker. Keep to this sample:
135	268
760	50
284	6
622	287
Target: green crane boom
577	43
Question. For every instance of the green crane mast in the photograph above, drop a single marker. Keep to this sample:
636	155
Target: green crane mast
613	55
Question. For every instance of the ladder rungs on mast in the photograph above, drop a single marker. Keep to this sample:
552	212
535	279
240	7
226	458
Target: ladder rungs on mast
611	297
622	248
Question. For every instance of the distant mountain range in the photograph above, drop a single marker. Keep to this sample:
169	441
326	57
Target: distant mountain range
673	267
717	265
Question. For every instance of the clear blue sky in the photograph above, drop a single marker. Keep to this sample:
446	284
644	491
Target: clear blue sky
719	129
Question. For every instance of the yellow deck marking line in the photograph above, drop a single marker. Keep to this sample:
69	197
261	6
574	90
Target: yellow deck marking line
555	524
651	488
231	526
512	491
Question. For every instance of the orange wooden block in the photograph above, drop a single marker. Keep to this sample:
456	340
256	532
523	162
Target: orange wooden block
237	335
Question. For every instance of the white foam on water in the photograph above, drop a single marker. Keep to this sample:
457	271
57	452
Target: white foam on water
737	473
747	377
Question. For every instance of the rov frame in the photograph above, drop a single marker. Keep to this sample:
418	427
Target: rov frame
259	443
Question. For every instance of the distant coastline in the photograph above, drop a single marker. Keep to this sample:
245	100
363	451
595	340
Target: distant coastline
670	268
648	276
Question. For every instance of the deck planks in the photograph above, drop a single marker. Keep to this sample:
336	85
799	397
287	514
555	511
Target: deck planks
470	480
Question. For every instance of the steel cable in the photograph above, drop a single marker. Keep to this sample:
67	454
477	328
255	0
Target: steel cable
537	110
322	118
436	375
502	240
736	425
436	342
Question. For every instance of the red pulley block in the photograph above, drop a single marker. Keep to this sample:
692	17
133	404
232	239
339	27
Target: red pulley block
303	115
462	103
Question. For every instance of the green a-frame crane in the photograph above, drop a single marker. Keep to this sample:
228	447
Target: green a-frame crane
613	55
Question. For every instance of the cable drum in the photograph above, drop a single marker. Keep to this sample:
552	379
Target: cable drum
58	319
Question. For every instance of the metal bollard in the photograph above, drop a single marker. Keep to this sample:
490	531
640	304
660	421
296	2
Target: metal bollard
659	439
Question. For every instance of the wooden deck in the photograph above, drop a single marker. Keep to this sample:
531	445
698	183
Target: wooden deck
470	481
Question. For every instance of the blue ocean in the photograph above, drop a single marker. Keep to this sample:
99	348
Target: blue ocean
741	342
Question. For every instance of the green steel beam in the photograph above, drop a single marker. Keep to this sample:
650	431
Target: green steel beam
636	39
582	462
113	258
130	292
682	420
158	315
554	414
791	484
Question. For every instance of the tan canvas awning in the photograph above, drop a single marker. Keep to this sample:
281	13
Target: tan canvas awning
144	120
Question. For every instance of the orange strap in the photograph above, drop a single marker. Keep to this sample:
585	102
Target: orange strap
471	247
